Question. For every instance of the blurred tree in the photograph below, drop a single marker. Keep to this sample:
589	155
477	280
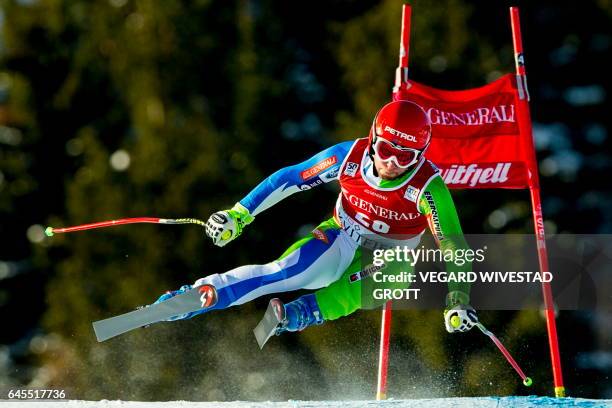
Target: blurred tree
136	107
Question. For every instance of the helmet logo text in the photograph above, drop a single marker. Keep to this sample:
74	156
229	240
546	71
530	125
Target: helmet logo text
403	135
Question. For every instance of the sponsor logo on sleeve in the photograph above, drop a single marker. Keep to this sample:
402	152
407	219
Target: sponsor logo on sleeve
412	193
434	217
330	175
351	169
320	235
319	167
308	186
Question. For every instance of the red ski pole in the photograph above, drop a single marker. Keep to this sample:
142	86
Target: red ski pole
526	380
139	220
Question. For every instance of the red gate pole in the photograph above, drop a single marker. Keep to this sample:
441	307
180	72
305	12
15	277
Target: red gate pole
401	77
401	73
534	189
383	357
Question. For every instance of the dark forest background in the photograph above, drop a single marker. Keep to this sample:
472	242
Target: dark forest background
118	108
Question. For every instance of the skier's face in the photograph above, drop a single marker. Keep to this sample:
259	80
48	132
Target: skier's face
388	170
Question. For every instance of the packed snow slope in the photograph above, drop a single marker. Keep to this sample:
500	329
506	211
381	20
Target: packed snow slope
482	402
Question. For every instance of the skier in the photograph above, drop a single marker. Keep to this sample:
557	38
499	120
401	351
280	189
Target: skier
390	193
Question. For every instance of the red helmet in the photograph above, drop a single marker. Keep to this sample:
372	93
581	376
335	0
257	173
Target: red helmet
406	132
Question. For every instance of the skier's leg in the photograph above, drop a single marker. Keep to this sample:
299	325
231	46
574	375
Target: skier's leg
351	292
339	299
356	288
310	263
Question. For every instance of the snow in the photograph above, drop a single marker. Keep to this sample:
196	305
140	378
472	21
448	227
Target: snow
482	402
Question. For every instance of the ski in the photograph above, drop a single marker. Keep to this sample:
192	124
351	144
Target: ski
266	328
184	303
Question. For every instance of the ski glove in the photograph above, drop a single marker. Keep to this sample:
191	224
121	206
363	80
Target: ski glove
460	318
225	226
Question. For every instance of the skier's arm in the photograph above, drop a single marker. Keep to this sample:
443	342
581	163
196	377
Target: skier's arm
321	168
225	226
437	204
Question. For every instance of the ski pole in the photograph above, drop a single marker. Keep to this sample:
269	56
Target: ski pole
526	380
150	220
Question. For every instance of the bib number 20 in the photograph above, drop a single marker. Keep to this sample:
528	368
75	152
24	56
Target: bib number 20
376	225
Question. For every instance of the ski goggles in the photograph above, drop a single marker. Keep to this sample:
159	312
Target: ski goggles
403	157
